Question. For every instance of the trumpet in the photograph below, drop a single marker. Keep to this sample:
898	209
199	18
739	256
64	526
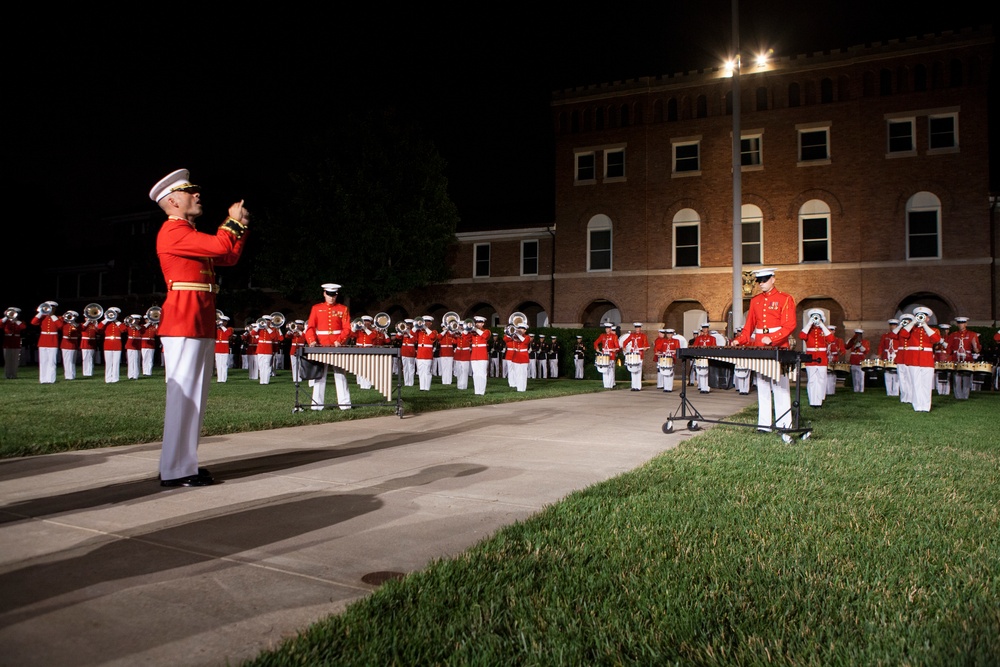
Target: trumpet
402	327
93	312
153	314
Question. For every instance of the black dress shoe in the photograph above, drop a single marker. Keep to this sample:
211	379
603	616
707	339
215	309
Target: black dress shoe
193	480
202	472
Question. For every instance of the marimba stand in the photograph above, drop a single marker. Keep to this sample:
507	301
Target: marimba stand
695	418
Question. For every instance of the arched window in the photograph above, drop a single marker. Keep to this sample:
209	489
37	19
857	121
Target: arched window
753	234
814	231
923	226
625	116
687	238
599	243
658	111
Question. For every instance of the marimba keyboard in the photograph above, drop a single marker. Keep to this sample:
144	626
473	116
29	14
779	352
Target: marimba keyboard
372	363
770	361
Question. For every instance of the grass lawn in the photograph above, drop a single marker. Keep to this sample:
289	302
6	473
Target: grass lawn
875	542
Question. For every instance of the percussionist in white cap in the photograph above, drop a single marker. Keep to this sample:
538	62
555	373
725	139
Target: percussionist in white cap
857	351
965	347
187	324
770	321
329	325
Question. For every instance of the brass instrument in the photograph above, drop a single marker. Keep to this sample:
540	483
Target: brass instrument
402	327
261	323
510	330
382	321
69	317
517	319
357	325
93	312
153	314
12	313
295	327
277	320
45	309
468	324
111	314
451	321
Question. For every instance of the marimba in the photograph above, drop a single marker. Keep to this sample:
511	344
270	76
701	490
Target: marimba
769	361
376	364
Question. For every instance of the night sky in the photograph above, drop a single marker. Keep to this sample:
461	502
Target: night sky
105	104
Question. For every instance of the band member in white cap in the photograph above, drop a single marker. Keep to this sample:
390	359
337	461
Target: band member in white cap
942	377
329	325
665	347
887	347
426	337
903	360
607	344
187	324
70	343
635	342
48	342
223	332
918	340
965	347
297	339
816	336
857	351
520	342
479	359
703	339
769	323
13	328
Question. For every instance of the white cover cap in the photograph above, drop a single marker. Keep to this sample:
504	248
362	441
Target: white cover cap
175	180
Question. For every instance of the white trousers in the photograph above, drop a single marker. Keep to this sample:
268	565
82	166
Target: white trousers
222	366
69	364
113	364
608	375
188	363
702	373
922	386
905	385
891	383
319	390
495	367
519	374
87	357
264	372
479	371
963	384
741	378
134	366
424	373
553	368
816	379
447	366
409	368
858	378
47	364
462	370
578	369
774	402
147	360
637	379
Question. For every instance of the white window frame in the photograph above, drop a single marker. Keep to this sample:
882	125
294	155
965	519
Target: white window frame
754	136
815	209
617	150
576	168
681	142
475	260
600	223
924	202
890	122
810	128
682	219
537	245
954	147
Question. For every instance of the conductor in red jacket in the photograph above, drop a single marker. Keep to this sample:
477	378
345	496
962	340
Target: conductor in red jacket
187	325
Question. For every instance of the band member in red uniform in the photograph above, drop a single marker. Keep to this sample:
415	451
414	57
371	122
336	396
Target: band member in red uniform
508	358
113	340
520	342
770	321
919	339
89	330
133	346
665	347
887	347
12	327
857	351
425	338
903	360
297	340
942	377
187	325
816	338
836	352
147	345
48	342
268	338
408	352
446	355
479	359
70	343
463	358
964	345
329	325
607	343
703	339
635	342
222	334
365	336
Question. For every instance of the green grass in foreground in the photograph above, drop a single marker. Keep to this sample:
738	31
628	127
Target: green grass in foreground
87	412
877	542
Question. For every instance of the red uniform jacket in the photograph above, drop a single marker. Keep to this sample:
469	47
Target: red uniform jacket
188	259
88	335
858	351
919	345
222	335
149	333
607	343
266	339
963	344
328	324
816	344
636	342
134	341
70	337
446	345
520	349
425	343
113	333
704	340
12	333
887	346
480	345
771	315
51	327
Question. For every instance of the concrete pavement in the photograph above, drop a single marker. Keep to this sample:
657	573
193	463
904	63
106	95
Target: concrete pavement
99	565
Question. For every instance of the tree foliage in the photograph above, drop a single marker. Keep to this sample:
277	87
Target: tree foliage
367	208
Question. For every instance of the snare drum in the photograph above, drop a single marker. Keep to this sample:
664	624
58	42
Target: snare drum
633	361
701	365
602	361
841	369
965	367
889	366
982	371
945	366
664	363
869	364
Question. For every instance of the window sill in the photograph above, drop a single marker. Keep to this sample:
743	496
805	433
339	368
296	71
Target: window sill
895	154
813	163
685	174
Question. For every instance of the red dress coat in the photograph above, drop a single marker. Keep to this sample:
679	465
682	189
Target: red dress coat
771	315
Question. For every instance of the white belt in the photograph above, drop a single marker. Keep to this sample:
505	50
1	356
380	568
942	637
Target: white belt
327	333
815	349
194	287
920	349
767	330
50	333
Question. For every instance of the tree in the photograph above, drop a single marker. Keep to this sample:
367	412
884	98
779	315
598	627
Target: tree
367	207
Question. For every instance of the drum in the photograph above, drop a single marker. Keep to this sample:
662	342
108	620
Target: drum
944	366
869	363
841	369
982	371
633	361
889	366
965	366
664	363
602	361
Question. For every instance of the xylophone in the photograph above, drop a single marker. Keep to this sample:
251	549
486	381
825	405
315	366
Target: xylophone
374	363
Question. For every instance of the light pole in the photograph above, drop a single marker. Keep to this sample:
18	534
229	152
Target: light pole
737	181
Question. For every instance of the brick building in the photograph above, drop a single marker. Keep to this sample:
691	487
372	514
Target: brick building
865	182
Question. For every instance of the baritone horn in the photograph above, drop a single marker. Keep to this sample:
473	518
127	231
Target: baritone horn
154	313
517	319
402	327
277	320
93	311
382	321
